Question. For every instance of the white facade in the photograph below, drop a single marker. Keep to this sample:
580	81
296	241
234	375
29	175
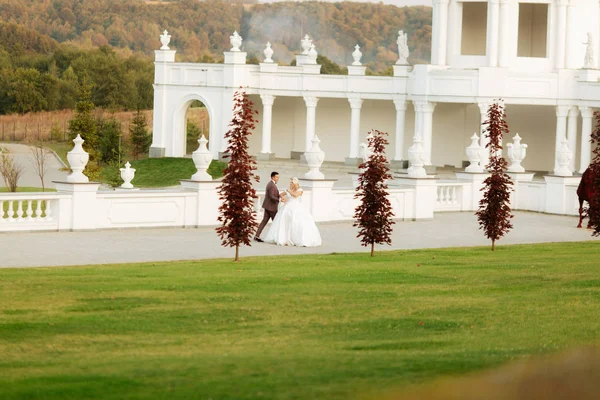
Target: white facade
531	54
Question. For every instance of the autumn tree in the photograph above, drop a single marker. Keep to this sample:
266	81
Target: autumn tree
494	212
374	214
236	213
594	208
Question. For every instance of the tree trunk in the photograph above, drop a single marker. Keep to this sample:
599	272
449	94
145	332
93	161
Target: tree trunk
372	249
493	244
237	253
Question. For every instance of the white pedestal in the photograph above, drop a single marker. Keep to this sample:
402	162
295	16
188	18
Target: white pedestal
268	67
206	207
311	69
301	59
517	177
556	193
357	70
425	195
235	57
80	213
164	55
402	70
321	204
472	197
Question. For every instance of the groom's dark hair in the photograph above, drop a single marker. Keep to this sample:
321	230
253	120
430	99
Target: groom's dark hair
274	173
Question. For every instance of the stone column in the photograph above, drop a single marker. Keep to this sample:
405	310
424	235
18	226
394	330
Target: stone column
311	110
267	101
424	125
503	34
570	61
561	130
355	105
561	33
400	122
452	31
493	30
483	139
586	131
440	26
572	133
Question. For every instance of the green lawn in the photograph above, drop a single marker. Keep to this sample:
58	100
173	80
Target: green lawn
305	327
161	172
151	172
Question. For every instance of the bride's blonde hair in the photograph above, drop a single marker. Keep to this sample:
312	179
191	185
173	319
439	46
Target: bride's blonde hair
295	182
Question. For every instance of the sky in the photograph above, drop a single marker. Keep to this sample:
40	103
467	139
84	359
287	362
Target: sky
399	3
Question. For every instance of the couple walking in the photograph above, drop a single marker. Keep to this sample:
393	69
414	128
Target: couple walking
292	224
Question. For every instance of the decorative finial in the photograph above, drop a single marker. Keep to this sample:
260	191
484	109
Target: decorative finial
356	54
127	174
312	54
306	42
236	41
268	52
165	38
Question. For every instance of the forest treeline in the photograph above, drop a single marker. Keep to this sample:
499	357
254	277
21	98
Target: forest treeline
46	45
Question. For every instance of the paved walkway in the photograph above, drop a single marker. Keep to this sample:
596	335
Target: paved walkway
22	156
140	245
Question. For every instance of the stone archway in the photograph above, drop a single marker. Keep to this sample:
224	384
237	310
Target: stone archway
202	124
197	124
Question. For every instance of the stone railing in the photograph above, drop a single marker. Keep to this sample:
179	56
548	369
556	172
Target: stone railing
449	196
30	212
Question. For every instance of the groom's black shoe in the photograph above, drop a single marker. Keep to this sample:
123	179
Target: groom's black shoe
258	239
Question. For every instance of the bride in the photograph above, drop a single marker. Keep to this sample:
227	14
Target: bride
293	225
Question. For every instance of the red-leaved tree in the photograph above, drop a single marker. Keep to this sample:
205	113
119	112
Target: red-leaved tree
594	208
494	212
236	213
373	216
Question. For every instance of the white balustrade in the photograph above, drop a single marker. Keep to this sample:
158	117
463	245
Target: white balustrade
28	212
449	197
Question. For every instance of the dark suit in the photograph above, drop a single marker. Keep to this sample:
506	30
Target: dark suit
270	205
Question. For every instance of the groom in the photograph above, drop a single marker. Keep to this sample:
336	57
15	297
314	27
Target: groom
269	204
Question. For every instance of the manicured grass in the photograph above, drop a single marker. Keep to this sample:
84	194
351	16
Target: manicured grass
304	327
153	172
161	172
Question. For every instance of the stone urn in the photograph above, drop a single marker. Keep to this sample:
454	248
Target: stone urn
563	157
202	159
306	42
516	153
314	158
127	174
165	39
312	54
416	156
78	159
356	55
236	41
268	52
474	155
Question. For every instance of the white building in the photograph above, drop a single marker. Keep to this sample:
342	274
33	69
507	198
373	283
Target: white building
531	54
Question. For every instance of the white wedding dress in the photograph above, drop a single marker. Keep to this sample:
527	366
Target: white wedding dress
293	225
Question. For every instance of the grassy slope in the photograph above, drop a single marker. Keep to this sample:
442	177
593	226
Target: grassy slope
155	172
309	327
158	172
